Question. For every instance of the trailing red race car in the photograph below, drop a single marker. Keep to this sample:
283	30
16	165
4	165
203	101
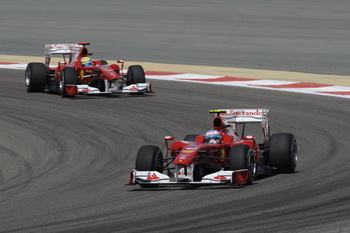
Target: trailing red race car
221	156
78	74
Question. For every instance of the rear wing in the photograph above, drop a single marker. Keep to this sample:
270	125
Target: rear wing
243	115
61	49
232	117
72	50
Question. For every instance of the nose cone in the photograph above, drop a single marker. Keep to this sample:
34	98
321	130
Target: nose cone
186	155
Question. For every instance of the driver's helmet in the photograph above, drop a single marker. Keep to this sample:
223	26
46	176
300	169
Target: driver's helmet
212	137
86	61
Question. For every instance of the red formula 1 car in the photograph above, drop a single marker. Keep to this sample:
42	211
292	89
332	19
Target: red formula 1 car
77	74
225	155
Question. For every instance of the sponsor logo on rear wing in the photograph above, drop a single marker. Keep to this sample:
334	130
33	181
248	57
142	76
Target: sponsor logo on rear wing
61	48
243	115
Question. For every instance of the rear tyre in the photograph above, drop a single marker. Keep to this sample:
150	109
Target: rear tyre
136	74
36	77
283	152
149	158
242	157
69	76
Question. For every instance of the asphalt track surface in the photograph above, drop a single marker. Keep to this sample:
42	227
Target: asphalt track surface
64	162
301	35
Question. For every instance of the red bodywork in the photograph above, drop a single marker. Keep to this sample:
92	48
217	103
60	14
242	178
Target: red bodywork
97	71
235	159
199	152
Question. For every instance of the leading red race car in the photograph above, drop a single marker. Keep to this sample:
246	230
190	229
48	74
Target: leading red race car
222	156
78	74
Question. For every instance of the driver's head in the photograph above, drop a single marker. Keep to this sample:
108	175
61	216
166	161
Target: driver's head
86	61
212	137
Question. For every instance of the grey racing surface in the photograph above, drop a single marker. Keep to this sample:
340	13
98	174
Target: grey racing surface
64	162
299	35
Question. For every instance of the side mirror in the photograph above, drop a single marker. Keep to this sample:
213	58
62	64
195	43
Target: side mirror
248	137
168	138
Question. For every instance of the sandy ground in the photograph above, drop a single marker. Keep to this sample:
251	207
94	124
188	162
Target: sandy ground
214	70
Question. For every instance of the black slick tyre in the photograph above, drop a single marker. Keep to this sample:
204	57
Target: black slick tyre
35	77
69	76
198	173
283	152
149	158
135	75
242	157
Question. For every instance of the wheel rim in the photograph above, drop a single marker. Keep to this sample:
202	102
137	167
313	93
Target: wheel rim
27	77
295	155
251	166
61	84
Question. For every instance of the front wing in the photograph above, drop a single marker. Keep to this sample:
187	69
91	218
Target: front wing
221	177
86	89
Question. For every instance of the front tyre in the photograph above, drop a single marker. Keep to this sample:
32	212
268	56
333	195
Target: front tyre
35	77
283	152
135	75
149	158
242	157
69	76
